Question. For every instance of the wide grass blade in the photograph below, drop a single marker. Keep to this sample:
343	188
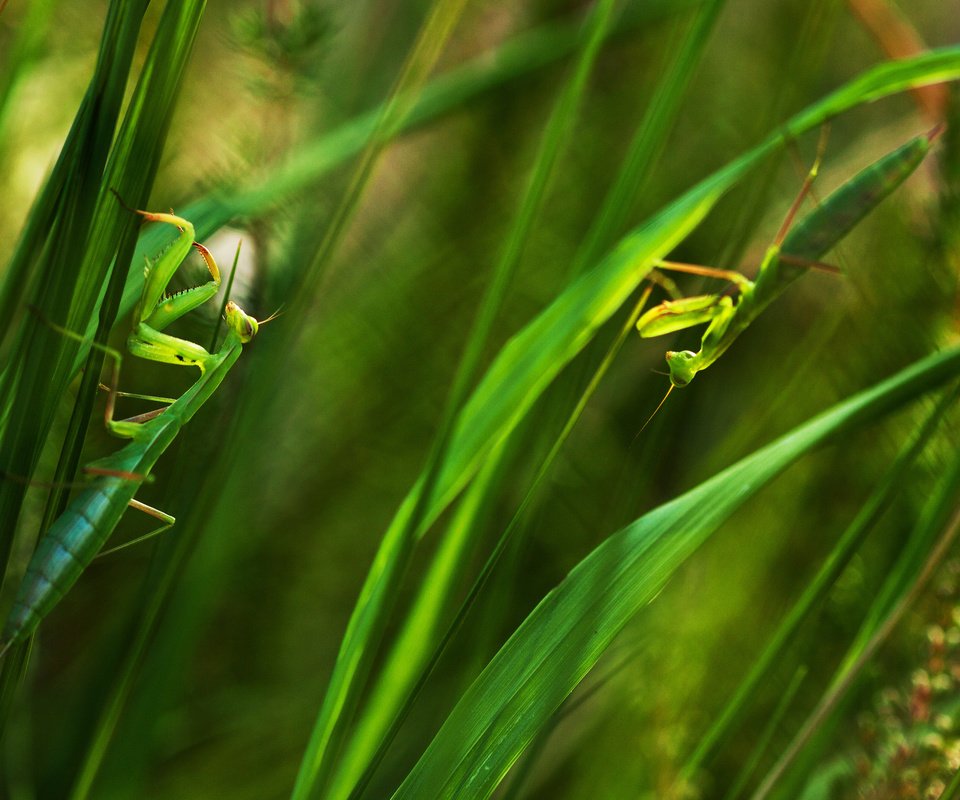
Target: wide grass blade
529	362
817	589
371	624
560	641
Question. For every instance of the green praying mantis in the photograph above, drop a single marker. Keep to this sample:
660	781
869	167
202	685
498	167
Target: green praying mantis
77	536
82	530
795	249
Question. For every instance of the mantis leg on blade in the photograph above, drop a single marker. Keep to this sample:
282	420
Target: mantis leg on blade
80	532
795	248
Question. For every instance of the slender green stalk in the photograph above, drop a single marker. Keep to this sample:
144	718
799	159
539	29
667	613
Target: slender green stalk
762	742
818	587
401	671
369	620
843	682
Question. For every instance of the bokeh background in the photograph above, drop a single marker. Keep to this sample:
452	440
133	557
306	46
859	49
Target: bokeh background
281	505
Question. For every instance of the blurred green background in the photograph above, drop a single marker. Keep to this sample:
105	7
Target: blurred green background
283	486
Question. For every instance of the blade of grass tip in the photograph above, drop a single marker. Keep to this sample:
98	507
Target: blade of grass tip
355	655
649	140
372	610
226	298
762	742
414	656
817	589
843	683
560	641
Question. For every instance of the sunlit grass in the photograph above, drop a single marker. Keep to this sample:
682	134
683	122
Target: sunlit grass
457	208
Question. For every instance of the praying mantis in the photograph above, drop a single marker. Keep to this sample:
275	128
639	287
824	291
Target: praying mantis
80	532
794	249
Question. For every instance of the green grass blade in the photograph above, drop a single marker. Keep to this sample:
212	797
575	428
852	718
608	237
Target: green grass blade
819	586
649	141
766	735
563	637
42	364
371	616
930	543
529	362
356	655
420	644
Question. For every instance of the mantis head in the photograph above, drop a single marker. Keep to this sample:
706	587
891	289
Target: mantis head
682	365
240	322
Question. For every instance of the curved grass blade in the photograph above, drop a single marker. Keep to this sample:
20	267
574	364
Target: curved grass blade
529	362
561	640
370	626
817	589
327	735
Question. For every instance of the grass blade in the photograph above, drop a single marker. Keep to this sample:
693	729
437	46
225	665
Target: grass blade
563	637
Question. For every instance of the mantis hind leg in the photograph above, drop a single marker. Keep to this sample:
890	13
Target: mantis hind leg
167	519
126	428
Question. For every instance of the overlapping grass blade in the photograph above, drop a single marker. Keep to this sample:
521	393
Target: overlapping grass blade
55	241
371	621
565	635
530	361
818	587
649	141
129	173
910	571
343	691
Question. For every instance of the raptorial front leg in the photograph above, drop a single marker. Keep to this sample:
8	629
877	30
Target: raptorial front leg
156	308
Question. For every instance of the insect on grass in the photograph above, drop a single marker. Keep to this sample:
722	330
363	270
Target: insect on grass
80	532
795	249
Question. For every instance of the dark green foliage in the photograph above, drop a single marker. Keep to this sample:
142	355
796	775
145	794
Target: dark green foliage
457	206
